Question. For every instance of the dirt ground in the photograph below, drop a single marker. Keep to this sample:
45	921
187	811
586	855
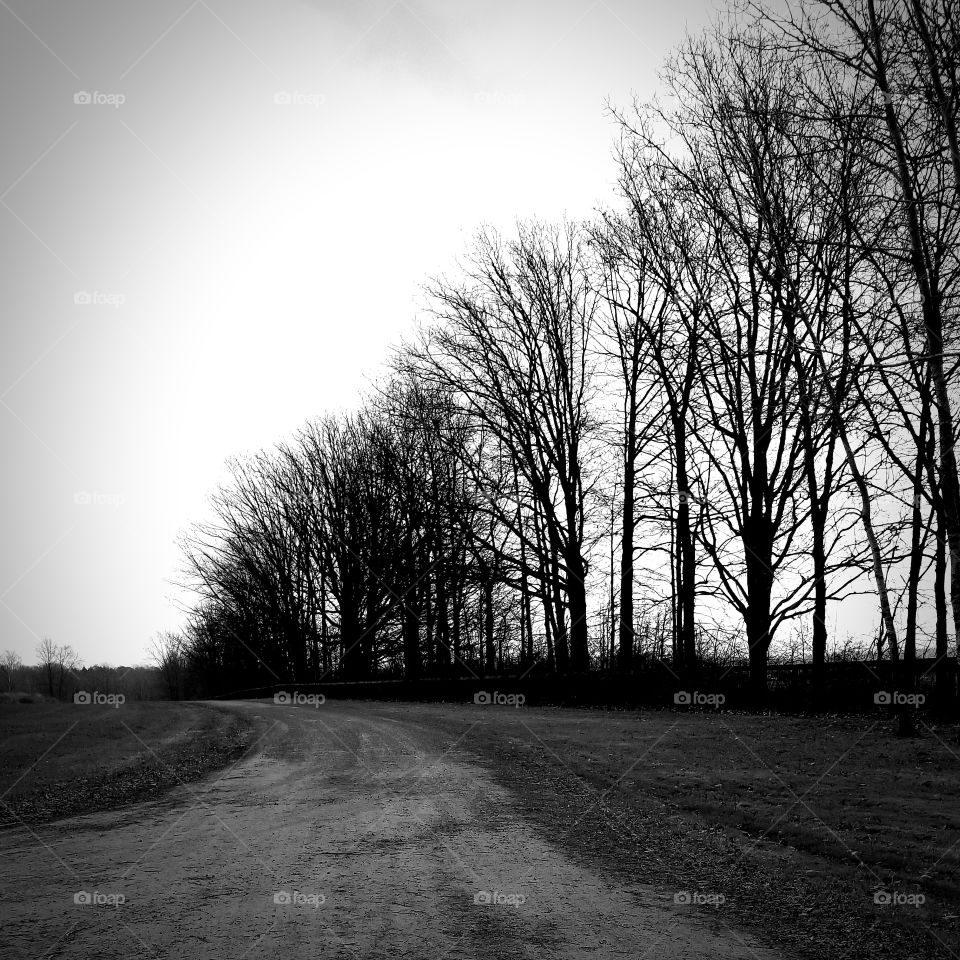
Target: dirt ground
346	832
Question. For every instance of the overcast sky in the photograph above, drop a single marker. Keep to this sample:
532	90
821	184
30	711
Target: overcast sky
229	235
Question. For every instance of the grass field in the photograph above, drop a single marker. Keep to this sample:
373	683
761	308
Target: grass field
58	759
794	824
844	790
800	823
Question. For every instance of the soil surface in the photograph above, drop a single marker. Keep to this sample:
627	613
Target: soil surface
347	831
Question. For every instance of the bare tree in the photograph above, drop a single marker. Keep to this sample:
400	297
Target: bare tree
902	54
513	347
47	654
166	650
10	664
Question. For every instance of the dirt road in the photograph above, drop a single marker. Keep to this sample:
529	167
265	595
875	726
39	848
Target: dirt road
350	831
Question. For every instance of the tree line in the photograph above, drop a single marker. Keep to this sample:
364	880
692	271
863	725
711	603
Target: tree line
717	410
59	674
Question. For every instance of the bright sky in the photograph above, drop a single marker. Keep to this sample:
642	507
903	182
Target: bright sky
249	262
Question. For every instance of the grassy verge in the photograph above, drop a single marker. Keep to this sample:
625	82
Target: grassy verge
58	760
795	824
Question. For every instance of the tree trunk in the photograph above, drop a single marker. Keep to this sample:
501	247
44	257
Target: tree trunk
626	638
428	601
350	639
676	646
560	643
579	629
456	627
488	617
548	629
442	632
759	590
818	651
686	565
944	672
412	662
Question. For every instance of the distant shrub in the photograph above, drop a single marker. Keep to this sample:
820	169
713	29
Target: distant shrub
15	696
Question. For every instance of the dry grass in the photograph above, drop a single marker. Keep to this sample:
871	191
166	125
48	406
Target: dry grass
60	759
797	822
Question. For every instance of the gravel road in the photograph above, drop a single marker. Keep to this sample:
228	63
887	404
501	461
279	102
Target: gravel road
350	830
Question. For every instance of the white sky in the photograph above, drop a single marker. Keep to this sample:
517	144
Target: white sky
266	255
